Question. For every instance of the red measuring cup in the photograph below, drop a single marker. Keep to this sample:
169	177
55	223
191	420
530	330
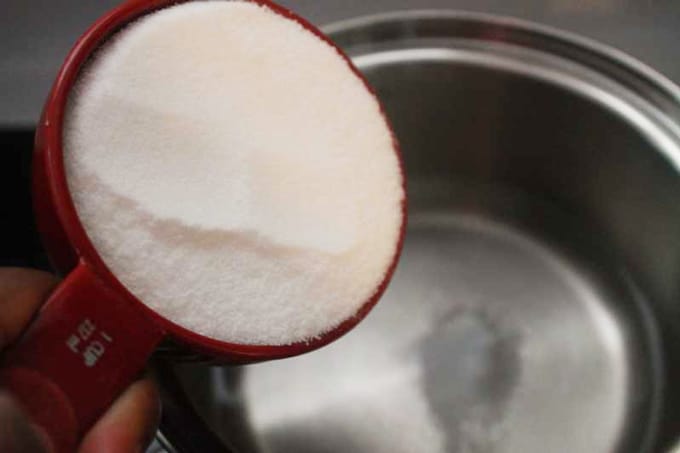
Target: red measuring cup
93	337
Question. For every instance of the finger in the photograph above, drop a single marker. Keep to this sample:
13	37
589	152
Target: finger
22	291
16	433
129	425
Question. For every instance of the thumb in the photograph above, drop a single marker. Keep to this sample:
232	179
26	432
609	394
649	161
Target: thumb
17	435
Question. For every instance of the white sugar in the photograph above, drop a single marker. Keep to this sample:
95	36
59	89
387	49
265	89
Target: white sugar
233	173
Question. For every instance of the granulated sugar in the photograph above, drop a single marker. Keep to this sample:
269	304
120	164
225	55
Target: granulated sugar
234	173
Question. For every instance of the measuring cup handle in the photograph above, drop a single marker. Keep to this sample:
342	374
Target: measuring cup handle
87	344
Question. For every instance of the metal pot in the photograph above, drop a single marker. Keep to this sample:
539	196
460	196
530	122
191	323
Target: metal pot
537	304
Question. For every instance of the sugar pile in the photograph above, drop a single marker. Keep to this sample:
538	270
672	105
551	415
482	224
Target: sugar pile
234	173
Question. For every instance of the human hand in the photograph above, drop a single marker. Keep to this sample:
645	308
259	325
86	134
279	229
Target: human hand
127	426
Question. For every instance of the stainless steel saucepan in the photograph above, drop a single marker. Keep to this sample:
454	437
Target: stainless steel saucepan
537	304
